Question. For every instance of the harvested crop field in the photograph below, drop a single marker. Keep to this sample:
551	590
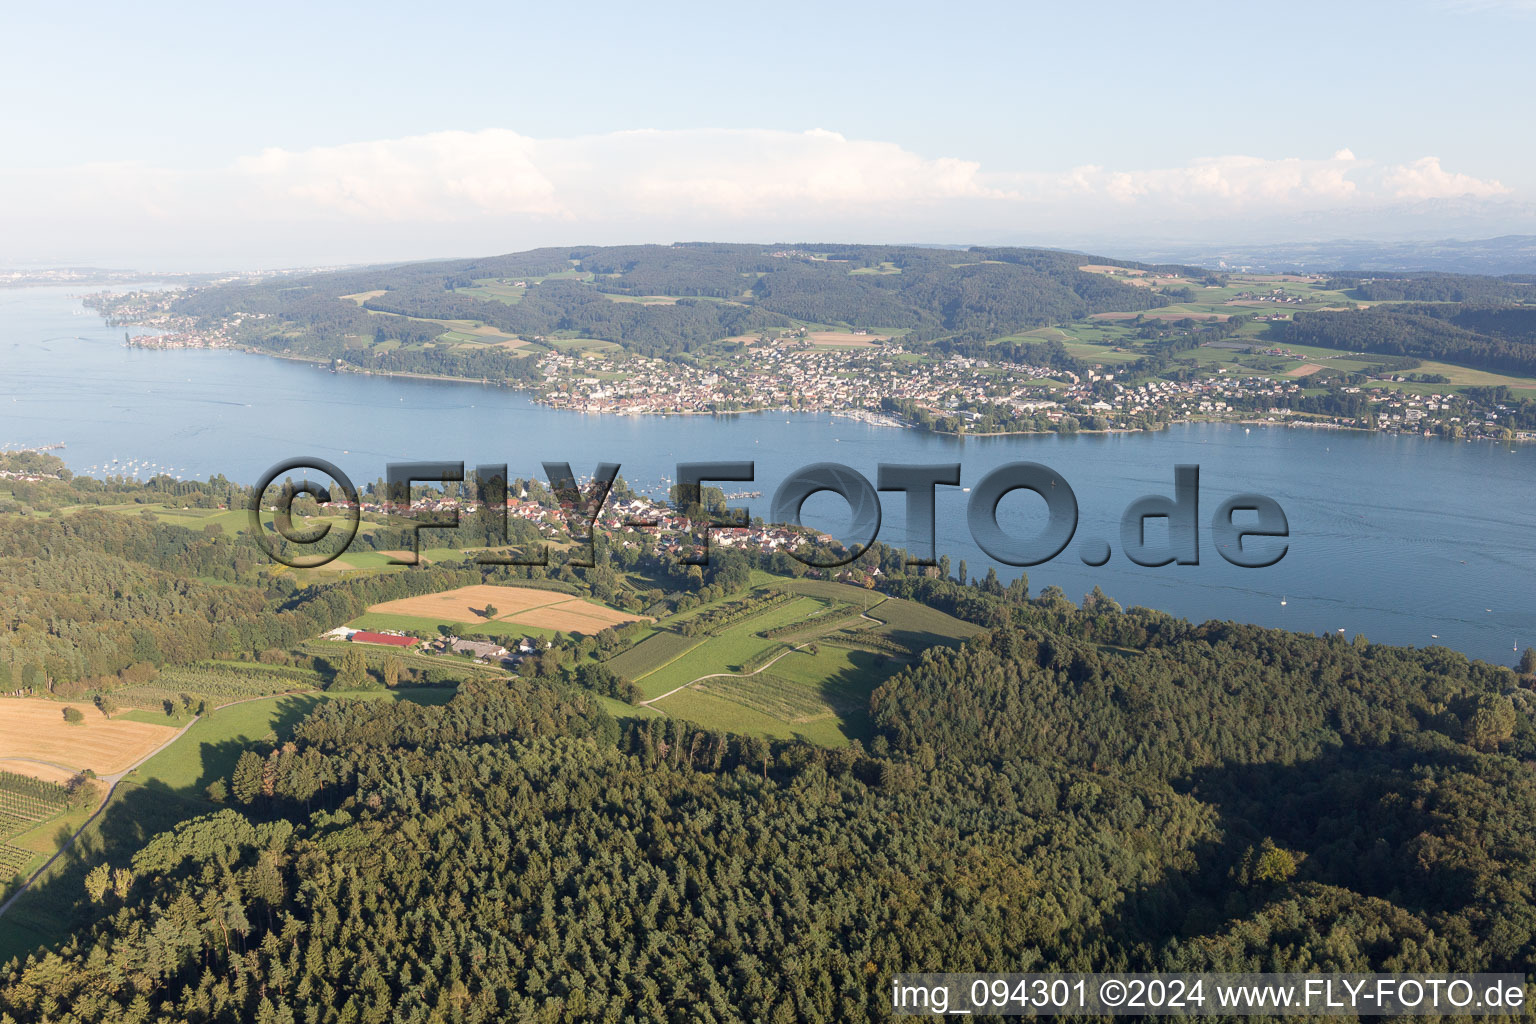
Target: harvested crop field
1179	315
1303	370
578	616
841	339
36	729
1100	268
524	606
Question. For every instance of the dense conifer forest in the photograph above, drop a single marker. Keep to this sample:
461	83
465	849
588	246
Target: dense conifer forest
1076	787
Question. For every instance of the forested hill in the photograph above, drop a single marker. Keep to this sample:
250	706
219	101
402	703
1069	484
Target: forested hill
715	291
491	318
1072	788
1497	338
1234	799
1437	287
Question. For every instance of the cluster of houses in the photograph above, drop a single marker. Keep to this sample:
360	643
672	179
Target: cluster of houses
777	376
1274	295
674	531
484	651
518	507
840	380
1206	397
789	372
173	331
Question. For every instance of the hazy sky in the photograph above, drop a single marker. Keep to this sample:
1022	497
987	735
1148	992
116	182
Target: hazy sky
217	135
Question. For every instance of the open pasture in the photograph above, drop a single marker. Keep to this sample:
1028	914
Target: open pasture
495	290
918	627
643	300
230	521
821	696
815	686
211	747
830	590
1459	376
730	648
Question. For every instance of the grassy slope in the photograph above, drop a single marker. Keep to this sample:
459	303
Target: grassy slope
819	695
210	748
166	790
728	649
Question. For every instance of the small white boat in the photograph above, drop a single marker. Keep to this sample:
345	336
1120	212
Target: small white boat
1282	600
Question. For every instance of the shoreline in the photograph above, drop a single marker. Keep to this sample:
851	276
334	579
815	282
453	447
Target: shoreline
537	396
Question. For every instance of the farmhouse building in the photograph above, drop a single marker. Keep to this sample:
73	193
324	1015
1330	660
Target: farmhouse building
479	649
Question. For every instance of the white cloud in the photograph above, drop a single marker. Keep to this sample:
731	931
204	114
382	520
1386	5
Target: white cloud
1426	179
444	175
469	191
453	175
448	175
1235	180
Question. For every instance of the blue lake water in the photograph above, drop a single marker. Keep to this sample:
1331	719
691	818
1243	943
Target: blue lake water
1399	538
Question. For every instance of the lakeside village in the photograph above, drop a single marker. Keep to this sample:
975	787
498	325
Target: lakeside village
963	395
878	380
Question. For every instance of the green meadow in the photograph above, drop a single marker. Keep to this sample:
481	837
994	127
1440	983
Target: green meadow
167	789
812	683
819	693
729	649
209	749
